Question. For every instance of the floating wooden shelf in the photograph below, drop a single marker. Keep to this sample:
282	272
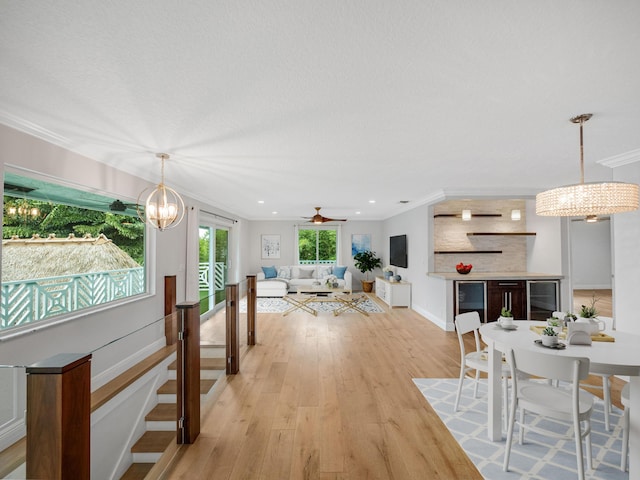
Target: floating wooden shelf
457	252
438	215
478	234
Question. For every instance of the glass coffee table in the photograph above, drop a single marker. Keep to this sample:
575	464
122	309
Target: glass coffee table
304	296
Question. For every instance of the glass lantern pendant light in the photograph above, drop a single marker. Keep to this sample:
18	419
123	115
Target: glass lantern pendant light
587	199
163	207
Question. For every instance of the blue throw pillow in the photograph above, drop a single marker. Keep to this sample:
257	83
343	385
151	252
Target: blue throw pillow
339	272
270	272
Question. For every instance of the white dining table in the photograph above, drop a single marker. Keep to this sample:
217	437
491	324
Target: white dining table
621	357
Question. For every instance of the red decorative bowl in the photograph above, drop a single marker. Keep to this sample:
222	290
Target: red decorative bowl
463	269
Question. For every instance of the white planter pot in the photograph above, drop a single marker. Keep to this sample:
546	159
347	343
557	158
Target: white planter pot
549	340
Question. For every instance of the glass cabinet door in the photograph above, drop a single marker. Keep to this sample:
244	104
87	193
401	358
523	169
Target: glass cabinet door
471	296
542	299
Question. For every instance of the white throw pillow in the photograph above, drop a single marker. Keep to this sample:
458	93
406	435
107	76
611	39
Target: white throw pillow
284	273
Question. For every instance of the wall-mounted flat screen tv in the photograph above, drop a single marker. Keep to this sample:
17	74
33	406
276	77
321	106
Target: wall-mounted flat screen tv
398	251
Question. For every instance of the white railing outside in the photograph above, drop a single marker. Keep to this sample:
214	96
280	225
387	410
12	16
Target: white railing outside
28	301
218	276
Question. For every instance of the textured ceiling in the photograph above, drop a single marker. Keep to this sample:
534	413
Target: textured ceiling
328	103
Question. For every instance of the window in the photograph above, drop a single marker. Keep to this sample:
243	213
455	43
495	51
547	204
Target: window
318	245
65	250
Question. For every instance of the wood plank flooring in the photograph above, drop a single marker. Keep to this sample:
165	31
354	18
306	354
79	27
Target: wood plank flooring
332	398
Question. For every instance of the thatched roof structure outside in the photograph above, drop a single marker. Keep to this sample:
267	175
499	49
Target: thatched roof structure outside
38	257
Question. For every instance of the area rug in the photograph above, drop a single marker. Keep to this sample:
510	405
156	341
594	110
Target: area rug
278	305
540	458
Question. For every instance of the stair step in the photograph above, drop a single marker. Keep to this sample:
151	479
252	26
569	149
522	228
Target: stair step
137	471
171	386
162	412
153	442
206	363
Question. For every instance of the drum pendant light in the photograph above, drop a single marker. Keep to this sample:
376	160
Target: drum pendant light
585	199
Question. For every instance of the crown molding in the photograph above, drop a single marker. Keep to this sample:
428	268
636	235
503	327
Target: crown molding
626	158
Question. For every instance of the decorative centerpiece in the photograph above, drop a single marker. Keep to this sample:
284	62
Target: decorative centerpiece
556	324
388	272
332	281
549	337
589	314
506	317
463	269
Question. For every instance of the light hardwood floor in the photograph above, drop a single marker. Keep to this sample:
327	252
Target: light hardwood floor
331	398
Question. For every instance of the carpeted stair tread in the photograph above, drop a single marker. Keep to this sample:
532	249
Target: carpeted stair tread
206	363
162	412
153	442
171	386
137	471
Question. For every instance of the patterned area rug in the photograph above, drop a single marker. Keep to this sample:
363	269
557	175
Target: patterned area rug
278	305
540	457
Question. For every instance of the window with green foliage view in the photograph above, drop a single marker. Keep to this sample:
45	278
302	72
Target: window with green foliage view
318	245
65	250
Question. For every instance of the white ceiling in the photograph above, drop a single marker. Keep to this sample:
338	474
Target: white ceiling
328	103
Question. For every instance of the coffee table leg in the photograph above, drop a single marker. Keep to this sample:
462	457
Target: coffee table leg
346	304
298	305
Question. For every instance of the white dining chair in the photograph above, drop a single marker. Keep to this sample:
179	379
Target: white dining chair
477	360
534	396
605	375
624	399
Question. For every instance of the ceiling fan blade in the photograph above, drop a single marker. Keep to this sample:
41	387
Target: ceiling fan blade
317	218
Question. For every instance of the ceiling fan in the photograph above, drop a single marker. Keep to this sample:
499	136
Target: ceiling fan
318	219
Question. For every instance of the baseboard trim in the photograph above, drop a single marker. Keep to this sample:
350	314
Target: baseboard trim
433	318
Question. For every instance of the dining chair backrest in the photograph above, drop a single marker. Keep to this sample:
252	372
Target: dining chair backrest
567	369
465	323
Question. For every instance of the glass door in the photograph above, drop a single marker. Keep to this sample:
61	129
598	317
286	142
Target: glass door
213	266
542	299
471	296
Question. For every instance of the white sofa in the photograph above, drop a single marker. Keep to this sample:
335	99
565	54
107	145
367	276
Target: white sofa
289	277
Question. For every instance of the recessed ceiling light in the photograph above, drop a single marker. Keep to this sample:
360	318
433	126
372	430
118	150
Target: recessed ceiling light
372	201
274	213
260	201
404	201
357	213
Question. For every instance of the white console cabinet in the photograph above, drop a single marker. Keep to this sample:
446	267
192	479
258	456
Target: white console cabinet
394	294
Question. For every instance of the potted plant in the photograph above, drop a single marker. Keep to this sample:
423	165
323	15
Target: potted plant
505	318
589	314
549	337
366	261
555	323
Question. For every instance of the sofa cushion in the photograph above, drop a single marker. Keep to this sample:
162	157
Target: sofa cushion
284	273
324	271
270	272
339	272
305	273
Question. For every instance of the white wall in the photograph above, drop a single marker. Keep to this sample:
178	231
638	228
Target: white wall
544	253
590	254
286	230
91	331
626	260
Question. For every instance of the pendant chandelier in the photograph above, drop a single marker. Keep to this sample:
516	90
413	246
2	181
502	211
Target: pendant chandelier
587	199
163	207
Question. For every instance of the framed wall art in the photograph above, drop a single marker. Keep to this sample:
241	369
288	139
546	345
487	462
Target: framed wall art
360	242
270	246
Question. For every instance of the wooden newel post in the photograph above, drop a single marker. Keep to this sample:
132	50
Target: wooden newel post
233	327
59	417
251	309
188	372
